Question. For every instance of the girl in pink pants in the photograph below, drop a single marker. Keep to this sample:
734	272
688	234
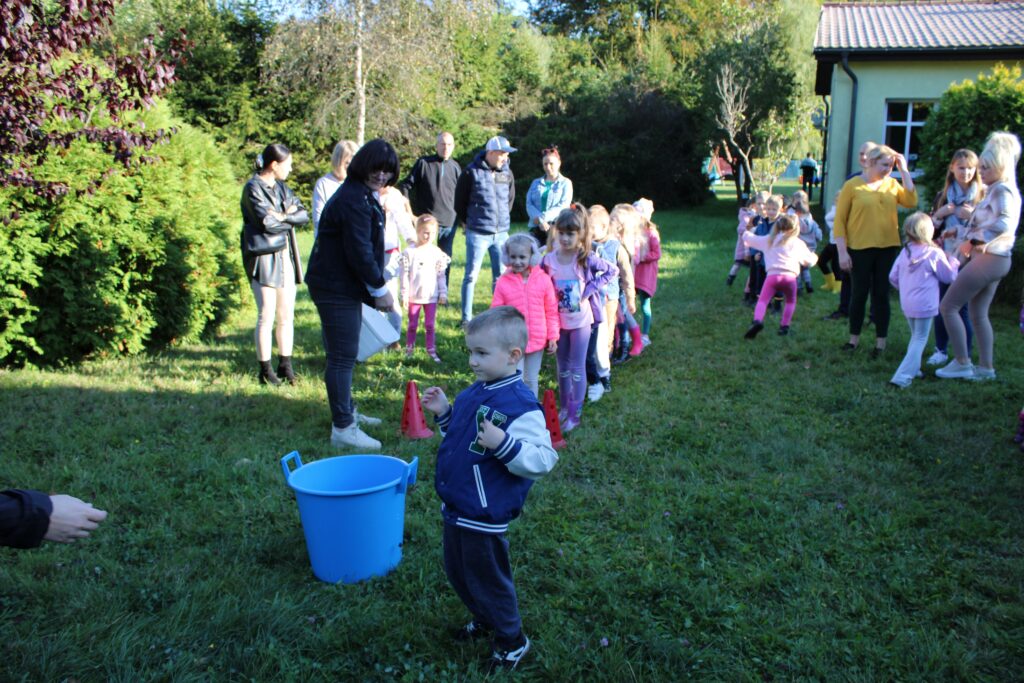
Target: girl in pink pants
784	255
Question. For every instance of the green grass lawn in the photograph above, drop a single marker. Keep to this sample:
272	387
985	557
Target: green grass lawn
732	511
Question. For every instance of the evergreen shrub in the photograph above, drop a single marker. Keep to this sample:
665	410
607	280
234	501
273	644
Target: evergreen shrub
617	144
145	258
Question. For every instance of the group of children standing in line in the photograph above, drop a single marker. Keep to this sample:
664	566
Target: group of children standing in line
586	295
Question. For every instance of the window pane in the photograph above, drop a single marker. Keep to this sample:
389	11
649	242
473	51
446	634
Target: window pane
896	137
914	148
896	111
921	111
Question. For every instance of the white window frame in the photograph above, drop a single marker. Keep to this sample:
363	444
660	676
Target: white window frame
908	124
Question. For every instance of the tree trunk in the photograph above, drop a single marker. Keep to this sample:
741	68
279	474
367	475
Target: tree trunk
360	82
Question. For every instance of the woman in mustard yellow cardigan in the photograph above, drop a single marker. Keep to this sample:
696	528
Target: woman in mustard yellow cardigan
867	235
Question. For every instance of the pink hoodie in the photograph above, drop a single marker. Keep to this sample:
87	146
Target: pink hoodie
917	272
535	299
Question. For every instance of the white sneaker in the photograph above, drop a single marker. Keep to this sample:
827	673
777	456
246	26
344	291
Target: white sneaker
981	373
353	437
956	371
366	420
937	358
647	340
595	392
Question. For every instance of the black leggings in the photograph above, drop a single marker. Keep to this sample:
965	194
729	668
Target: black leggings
870	275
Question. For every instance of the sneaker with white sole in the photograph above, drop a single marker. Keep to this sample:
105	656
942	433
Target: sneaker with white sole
366	420
937	358
956	371
353	437
508	659
647	340
595	392
981	374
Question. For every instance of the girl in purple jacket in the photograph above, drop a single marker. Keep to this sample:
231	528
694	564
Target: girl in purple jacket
579	276
917	272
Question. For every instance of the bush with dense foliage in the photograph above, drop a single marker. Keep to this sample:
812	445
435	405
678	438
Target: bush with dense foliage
146	259
965	116
617	143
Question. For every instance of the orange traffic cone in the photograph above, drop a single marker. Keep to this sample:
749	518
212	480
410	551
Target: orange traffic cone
551	418
413	424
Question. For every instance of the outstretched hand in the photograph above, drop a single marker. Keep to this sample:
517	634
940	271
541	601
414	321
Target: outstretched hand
434	400
72	519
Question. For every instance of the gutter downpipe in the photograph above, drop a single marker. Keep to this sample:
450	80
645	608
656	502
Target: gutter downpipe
824	149
853	111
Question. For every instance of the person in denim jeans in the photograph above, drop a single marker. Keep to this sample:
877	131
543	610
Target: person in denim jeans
483	203
346	270
430	186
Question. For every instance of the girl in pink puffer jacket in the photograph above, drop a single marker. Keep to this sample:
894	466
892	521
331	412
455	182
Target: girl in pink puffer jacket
527	288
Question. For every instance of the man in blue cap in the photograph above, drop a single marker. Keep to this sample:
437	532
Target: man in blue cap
483	203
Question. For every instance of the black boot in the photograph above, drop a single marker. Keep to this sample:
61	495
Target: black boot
267	375
284	369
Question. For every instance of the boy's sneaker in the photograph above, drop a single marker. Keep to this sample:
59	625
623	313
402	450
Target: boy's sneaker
809	288
937	358
474	630
508	659
594	392
353	437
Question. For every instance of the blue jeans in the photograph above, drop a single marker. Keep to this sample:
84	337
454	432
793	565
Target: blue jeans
445	240
476	244
340	319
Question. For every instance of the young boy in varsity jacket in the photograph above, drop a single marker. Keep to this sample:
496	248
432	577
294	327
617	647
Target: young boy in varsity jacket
495	444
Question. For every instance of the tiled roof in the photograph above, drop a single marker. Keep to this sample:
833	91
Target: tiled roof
920	26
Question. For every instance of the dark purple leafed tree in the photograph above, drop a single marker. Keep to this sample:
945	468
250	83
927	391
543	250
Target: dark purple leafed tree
51	95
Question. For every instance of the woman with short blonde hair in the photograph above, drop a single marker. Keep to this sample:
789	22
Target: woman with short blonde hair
867	236
328	184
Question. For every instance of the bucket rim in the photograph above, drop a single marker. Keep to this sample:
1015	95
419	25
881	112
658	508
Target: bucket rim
348	492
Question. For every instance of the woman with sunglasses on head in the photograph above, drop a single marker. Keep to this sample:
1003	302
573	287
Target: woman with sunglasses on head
346	269
547	195
270	212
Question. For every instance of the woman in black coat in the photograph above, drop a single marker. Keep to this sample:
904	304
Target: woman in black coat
270	255
346	270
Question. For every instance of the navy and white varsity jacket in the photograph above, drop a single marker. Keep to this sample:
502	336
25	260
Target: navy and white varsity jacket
483	489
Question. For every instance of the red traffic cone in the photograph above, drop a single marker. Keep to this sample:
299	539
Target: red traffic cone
551	418
413	424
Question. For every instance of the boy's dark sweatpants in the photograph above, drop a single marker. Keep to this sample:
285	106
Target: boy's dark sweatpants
478	568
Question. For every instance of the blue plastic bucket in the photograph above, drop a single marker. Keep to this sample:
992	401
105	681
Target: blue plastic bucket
353	512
